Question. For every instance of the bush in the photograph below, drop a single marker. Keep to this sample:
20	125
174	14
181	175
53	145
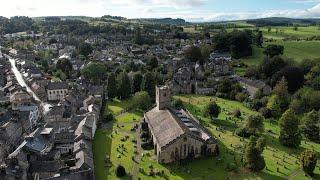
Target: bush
108	117
147	145
308	160
241	97
242	132
237	113
120	171
144	126
178	104
265	112
232	167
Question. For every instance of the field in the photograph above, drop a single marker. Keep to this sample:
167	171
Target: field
296	50
108	141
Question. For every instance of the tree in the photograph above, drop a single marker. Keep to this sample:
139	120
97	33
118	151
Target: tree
254	124
123	85
141	100
120	171
224	85
206	51
152	62
85	49
259	39
112	86
289	129
253	154
64	65
240	43
308	159
282	94
193	53
177	103
293	75
213	110
311	127
149	84
94	71
273	50
137	80
237	113
269	66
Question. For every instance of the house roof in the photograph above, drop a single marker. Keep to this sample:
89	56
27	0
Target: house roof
57	85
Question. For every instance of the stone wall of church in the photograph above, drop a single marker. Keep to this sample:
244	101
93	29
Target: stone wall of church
180	150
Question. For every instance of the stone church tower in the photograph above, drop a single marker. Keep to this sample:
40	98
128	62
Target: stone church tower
163	97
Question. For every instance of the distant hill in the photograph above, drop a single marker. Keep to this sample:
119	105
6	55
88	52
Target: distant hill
280	21
170	21
80	18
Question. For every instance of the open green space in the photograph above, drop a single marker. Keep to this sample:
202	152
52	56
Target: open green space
108	139
296	50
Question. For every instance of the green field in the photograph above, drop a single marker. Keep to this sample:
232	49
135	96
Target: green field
231	148
297	50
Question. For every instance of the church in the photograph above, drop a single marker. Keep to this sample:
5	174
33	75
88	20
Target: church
176	134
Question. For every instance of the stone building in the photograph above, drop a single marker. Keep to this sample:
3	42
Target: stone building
57	91
176	134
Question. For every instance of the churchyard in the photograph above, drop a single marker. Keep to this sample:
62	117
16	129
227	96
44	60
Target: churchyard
119	141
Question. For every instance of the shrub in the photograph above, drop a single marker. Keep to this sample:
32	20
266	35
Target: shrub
237	113
308	160
108	117
120	171
265	112
147	145
242	132
232	167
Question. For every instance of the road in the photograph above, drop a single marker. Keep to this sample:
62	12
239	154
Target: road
17	73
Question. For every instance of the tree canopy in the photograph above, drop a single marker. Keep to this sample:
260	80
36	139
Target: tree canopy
212	110
94	71
308	159
289	129
253	154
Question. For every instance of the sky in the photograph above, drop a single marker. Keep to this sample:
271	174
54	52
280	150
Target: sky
191	10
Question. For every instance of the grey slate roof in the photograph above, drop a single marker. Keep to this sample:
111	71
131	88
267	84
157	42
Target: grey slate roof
164	126
57	85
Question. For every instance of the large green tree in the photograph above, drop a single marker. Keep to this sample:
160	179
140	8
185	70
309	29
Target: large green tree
141	100
273	50
85	49
193	53
123	85
253	158
290	135
311	127
308	159
112	86
149	83
94	71
254	124
136	82
212	110
65	66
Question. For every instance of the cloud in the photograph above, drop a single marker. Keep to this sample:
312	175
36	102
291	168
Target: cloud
191	10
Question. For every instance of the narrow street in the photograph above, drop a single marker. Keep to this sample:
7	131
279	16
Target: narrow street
18	75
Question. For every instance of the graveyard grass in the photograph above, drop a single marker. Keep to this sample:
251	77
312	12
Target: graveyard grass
231	148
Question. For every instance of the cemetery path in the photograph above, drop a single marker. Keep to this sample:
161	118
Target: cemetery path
135	169
294	174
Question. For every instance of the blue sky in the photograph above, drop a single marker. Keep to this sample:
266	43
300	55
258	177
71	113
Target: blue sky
191	10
